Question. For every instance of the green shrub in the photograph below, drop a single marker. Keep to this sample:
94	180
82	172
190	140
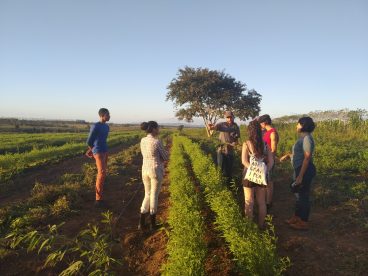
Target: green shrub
60	207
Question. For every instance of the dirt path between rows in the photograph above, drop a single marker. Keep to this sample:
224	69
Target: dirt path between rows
323	249
140	253
22	184
145	252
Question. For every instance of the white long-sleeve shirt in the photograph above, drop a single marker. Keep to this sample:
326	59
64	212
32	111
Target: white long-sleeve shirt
153	154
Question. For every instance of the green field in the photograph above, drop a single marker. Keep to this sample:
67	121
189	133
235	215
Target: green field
31	227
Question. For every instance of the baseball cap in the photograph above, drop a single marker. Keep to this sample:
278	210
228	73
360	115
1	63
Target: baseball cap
228	114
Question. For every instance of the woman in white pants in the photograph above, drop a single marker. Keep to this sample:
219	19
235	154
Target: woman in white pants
154	156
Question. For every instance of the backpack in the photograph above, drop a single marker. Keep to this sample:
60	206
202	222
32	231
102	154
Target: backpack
257	171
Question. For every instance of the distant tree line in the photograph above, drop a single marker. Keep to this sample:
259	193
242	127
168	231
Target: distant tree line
344	115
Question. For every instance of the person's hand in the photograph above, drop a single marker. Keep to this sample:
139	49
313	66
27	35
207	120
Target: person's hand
283	158
89	153
211	126
299	179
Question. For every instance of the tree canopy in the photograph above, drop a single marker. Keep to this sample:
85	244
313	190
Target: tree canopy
204	93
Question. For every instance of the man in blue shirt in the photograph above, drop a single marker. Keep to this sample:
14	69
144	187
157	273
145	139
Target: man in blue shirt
97	148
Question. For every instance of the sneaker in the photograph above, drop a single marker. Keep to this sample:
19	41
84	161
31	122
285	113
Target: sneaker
300	225
292	220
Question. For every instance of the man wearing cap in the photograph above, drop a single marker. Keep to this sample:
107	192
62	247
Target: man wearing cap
229	136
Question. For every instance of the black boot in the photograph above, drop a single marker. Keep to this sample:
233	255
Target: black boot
142	222
153	225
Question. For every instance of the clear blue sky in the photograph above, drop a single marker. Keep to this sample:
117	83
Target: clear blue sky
65	59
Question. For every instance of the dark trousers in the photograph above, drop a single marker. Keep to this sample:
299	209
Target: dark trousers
227	165
302	206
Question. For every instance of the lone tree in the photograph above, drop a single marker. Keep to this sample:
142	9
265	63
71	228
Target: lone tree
200	92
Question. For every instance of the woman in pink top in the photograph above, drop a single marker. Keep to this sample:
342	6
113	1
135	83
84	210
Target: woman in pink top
271	138
154	156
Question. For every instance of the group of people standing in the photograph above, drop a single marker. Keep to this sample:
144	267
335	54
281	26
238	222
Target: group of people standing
154	156
261	144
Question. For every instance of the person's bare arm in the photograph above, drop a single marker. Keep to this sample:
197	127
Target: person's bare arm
164	155
269	160
285	157
89	152
211	126
245	155
273	143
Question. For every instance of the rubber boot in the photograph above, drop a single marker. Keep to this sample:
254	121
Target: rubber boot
142	222
153	225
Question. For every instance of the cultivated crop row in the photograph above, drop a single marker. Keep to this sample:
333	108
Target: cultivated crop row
22	142
186	247
12	164
254	251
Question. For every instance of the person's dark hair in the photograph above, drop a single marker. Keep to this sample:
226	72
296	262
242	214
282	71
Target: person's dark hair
149	126
255	137
307	124
103	111
265	119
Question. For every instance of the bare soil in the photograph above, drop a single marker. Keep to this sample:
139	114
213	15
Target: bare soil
322	250
142	253
22	184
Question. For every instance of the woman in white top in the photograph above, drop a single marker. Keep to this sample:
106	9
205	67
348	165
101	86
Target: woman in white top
154	156
255	146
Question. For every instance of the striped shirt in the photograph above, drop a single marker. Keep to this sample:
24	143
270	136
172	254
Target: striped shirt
153	154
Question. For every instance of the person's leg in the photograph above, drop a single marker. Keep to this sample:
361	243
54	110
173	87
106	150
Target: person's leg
304	194
147	193
156	181
296	216
248	202
270	185
101	174
229	165
269	191
219	158
303	203
224	164
106	159
261	202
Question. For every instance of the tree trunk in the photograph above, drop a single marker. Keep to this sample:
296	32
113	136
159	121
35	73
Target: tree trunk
208	130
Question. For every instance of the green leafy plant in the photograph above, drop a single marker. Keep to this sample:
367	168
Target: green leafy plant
88	253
